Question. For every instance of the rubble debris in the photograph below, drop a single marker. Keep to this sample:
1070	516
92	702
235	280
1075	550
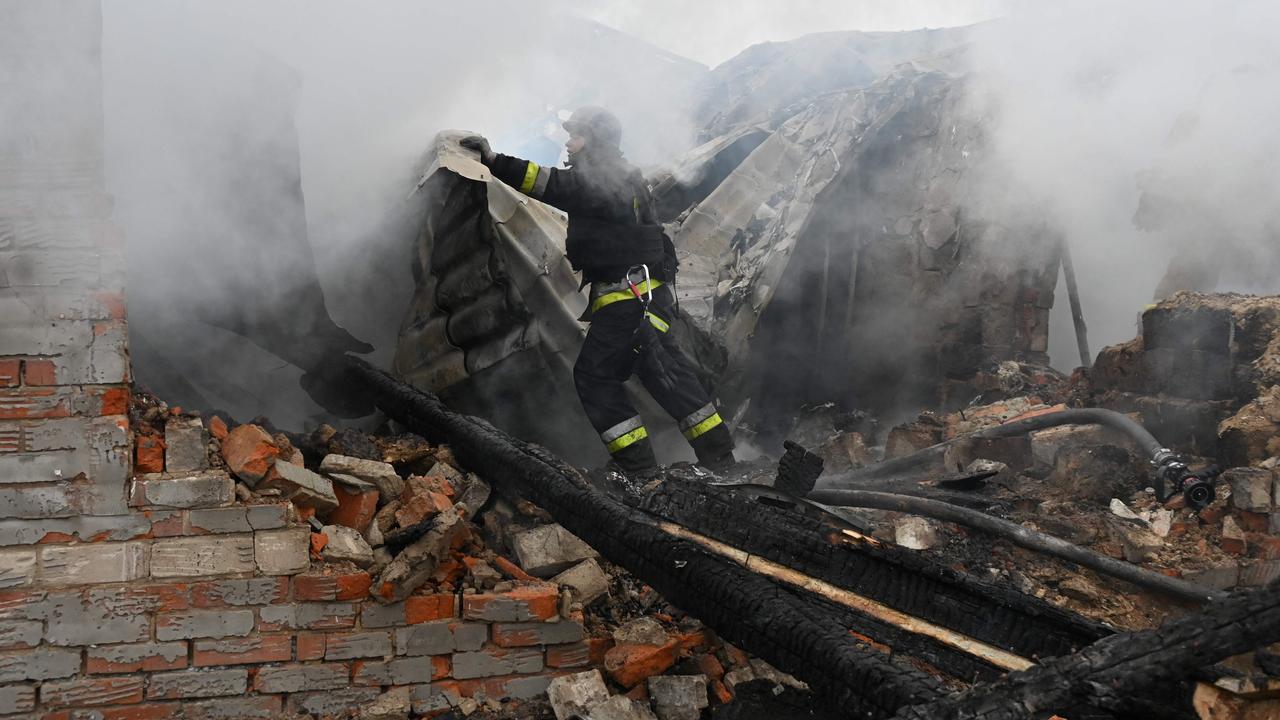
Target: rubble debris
417	562
346	544
549	549
382	475
903	440
916	533
621	707
300	486
357	503
678	697
1111	674
585	580
576	695
250	453
185	445
641	631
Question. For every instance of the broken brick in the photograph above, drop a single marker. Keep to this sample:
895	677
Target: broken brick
535	602
632	664
218	428
39	372
250	453
300	486
426	608
343	586
149	454
356	508
420	507
10	373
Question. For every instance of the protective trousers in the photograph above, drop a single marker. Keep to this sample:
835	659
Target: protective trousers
622	341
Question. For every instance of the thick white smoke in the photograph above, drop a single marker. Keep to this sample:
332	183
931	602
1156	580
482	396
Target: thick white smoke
1140	129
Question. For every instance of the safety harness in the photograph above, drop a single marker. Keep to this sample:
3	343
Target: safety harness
629	289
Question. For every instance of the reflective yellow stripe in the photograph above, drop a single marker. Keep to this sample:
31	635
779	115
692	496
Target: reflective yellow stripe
530	176
658	323
630	438
613	297
703	427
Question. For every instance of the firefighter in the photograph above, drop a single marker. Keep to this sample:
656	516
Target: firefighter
617	243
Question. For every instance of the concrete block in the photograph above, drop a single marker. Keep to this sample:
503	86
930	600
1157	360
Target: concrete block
83	528
17	698
575	695
94	563
308	616
186	445
73	620
346	646
300	486
218	520
282	552
401	671
380	474
267	517
491	663
41	501
203	556
425	639
20	633
239	592
431	700
469	636
548	549
44	663
346	544
17	567
376	615
333	702
678	697
298	678
621	707
259	707
140	657
586	581
204	624
391	705
531	634
212	488
253	650
1250	488
198	683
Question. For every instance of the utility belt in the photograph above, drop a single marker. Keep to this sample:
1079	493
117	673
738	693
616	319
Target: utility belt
637	285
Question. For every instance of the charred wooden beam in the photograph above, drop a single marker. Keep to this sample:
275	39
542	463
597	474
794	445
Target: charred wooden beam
1112	672
746	608
905	580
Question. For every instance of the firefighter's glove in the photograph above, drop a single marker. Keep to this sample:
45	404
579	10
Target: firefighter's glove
480	145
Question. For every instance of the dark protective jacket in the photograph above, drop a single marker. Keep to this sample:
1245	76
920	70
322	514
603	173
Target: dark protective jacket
612	222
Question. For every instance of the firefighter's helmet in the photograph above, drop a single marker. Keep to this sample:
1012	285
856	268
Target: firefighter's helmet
596	124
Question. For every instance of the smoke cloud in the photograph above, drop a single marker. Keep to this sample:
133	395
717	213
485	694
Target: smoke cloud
1142	131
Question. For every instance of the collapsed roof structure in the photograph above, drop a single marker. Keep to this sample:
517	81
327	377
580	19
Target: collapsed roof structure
851	228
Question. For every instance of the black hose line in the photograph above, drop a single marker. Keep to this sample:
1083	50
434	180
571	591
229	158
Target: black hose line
1019	535
1171	472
